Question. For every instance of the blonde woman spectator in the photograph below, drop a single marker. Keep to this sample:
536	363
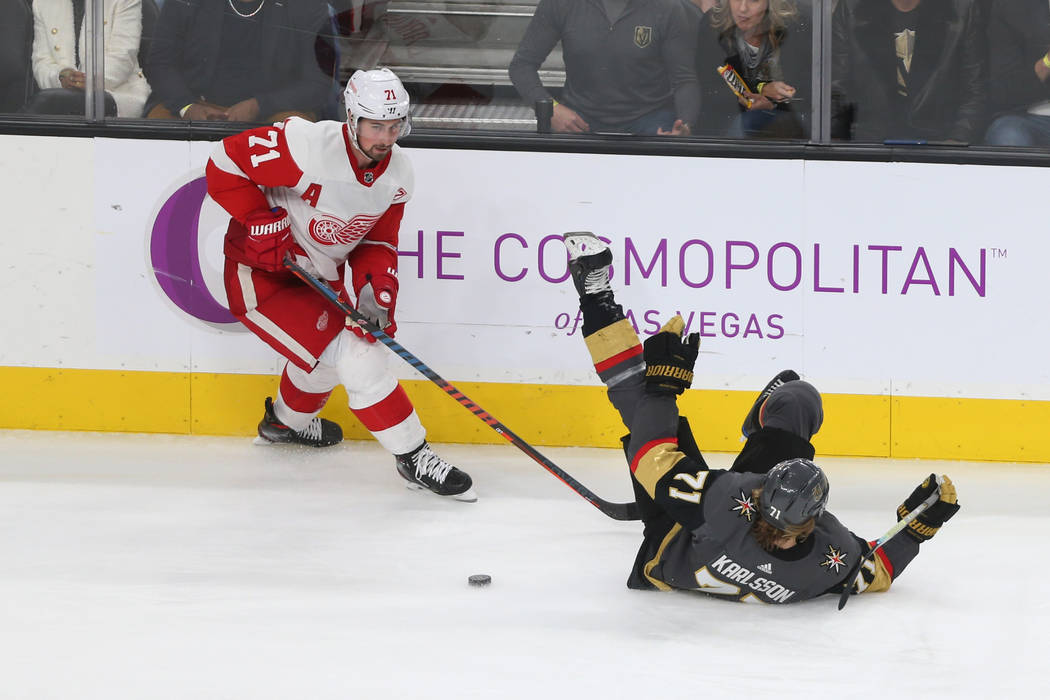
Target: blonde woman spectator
768	44
59	47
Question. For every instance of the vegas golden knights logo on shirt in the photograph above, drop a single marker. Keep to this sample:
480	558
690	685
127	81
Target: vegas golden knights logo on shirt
904	43
643	36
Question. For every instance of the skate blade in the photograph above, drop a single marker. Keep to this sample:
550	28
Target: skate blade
468	496
260	440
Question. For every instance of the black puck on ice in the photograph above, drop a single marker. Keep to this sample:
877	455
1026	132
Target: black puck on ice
479	580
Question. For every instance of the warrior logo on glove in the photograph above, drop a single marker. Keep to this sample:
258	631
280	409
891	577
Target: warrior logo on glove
669	359
929	522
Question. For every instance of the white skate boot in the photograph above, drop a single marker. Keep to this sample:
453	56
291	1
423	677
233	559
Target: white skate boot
589	262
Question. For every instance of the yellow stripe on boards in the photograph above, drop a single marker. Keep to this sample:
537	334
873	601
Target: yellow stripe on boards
981	429
79	399
543	415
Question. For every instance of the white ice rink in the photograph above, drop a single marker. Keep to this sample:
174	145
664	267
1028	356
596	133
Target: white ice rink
146	566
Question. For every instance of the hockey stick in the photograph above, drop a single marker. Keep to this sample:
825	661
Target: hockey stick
616	511
901	524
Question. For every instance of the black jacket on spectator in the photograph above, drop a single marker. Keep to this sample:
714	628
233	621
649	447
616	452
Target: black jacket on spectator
948	74
1018	36
719	103
187	47
16	47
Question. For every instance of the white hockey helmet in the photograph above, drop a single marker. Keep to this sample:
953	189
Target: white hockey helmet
376	94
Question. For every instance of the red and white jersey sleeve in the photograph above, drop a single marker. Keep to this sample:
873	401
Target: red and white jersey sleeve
242	164
310	170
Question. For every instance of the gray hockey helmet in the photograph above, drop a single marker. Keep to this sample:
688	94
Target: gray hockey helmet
795	491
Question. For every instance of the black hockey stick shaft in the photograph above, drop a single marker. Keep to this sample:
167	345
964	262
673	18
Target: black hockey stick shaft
901	524
616	511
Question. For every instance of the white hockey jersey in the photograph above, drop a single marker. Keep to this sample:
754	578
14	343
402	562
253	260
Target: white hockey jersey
309	169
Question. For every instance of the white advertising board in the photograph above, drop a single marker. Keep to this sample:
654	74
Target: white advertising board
878	278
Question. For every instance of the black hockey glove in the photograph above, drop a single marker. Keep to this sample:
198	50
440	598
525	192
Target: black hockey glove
669	359
926	525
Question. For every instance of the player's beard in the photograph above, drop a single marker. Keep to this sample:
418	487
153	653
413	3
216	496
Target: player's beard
377	152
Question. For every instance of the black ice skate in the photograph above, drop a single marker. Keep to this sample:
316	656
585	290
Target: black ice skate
752	422
589	261
423	469
317	433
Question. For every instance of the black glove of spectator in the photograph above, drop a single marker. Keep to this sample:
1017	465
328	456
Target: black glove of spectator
926	525
669	359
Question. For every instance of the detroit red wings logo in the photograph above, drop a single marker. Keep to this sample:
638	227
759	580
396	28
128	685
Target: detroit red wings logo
331	230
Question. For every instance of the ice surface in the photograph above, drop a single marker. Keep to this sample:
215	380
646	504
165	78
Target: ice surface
151	566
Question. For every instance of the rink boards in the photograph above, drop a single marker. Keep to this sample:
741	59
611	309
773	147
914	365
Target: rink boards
909	294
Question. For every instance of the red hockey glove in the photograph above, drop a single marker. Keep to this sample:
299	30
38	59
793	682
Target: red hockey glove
269	239
376	299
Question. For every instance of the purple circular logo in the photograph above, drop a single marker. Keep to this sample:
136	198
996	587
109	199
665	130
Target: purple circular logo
174	251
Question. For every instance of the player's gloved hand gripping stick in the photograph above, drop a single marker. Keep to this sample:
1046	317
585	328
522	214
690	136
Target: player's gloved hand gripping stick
616	511
910	519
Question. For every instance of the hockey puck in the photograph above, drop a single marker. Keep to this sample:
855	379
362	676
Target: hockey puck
479	580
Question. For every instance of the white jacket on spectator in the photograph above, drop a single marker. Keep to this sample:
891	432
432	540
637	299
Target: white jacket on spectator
53	37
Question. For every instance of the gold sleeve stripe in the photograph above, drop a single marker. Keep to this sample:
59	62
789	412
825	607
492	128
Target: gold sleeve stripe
647	569
614	339
883	574
655	459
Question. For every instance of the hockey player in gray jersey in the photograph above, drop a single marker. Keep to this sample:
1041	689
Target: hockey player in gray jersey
759	531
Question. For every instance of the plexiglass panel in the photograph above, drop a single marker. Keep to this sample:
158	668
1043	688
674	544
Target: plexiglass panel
891	72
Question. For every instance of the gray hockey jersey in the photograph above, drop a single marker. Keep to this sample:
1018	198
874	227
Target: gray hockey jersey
721	557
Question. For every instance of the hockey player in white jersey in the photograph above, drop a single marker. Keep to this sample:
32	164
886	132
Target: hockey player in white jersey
331	194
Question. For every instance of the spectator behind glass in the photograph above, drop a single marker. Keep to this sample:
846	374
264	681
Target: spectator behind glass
698	8
59	42
907	69
356	17
16	46
1019	88
628	65
768	44
237	60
